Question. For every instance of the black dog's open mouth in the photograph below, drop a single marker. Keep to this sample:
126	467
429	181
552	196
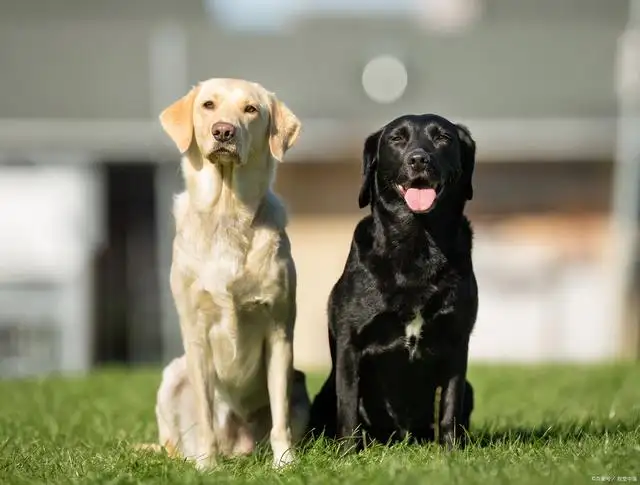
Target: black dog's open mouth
420	195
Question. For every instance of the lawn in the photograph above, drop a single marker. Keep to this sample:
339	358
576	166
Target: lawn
550	424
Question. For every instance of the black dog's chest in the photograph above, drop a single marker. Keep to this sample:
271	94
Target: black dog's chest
406	357
415	325
412	336
397	391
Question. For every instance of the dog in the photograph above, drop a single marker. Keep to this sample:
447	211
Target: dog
401	314
233	280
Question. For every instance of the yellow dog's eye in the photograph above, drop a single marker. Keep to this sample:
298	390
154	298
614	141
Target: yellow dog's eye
208	105
250	109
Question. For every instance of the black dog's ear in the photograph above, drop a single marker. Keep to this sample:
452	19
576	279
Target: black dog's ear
369	161
468	156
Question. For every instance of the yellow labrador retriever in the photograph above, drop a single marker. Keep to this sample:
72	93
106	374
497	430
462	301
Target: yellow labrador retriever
233	280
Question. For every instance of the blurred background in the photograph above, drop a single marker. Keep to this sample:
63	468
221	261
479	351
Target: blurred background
549	89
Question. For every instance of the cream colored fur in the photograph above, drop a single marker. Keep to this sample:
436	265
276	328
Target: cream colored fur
233	281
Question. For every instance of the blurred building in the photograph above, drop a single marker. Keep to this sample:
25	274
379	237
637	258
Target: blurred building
87	176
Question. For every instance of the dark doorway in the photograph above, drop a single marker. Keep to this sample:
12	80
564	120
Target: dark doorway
127	296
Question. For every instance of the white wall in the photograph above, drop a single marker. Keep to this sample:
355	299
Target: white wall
49	228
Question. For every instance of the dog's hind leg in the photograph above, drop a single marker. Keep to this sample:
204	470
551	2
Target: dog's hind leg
452	403
299	406
175	411
322	416
467	406
454	418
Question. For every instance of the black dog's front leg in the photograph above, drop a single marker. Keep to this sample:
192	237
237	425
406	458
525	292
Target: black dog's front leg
452	409
347	368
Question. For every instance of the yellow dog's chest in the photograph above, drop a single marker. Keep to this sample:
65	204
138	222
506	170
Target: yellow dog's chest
233	292
227	275
237	355
236	325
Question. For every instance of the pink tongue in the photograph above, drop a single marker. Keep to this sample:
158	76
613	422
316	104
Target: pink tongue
419	199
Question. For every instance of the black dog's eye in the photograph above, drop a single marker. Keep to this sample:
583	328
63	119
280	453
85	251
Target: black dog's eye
443	137
208	105
250	109
395	138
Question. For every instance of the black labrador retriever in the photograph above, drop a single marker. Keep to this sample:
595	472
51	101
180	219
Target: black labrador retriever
401	314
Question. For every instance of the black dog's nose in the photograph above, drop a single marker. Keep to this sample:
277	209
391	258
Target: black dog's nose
418	160
223	132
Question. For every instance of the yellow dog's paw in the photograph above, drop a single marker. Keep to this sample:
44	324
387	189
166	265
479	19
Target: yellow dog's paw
148	447
283	459
168	448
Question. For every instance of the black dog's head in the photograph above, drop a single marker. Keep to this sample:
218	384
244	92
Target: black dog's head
420	163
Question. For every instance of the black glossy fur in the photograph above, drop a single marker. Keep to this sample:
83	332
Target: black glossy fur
405	266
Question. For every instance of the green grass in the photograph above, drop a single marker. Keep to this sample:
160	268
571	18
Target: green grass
551	424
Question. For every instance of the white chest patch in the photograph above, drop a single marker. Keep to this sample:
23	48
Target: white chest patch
412	335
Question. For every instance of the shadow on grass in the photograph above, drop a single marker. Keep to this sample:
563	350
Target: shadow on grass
521	435
546	433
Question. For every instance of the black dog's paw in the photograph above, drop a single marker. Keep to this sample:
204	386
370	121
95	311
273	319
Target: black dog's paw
454	440
350	442
449	442
348	445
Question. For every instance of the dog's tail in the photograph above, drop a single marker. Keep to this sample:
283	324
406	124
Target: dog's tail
156	448
147	447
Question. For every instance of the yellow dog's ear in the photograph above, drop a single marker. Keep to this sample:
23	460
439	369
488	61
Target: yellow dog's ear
177	120
284	128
